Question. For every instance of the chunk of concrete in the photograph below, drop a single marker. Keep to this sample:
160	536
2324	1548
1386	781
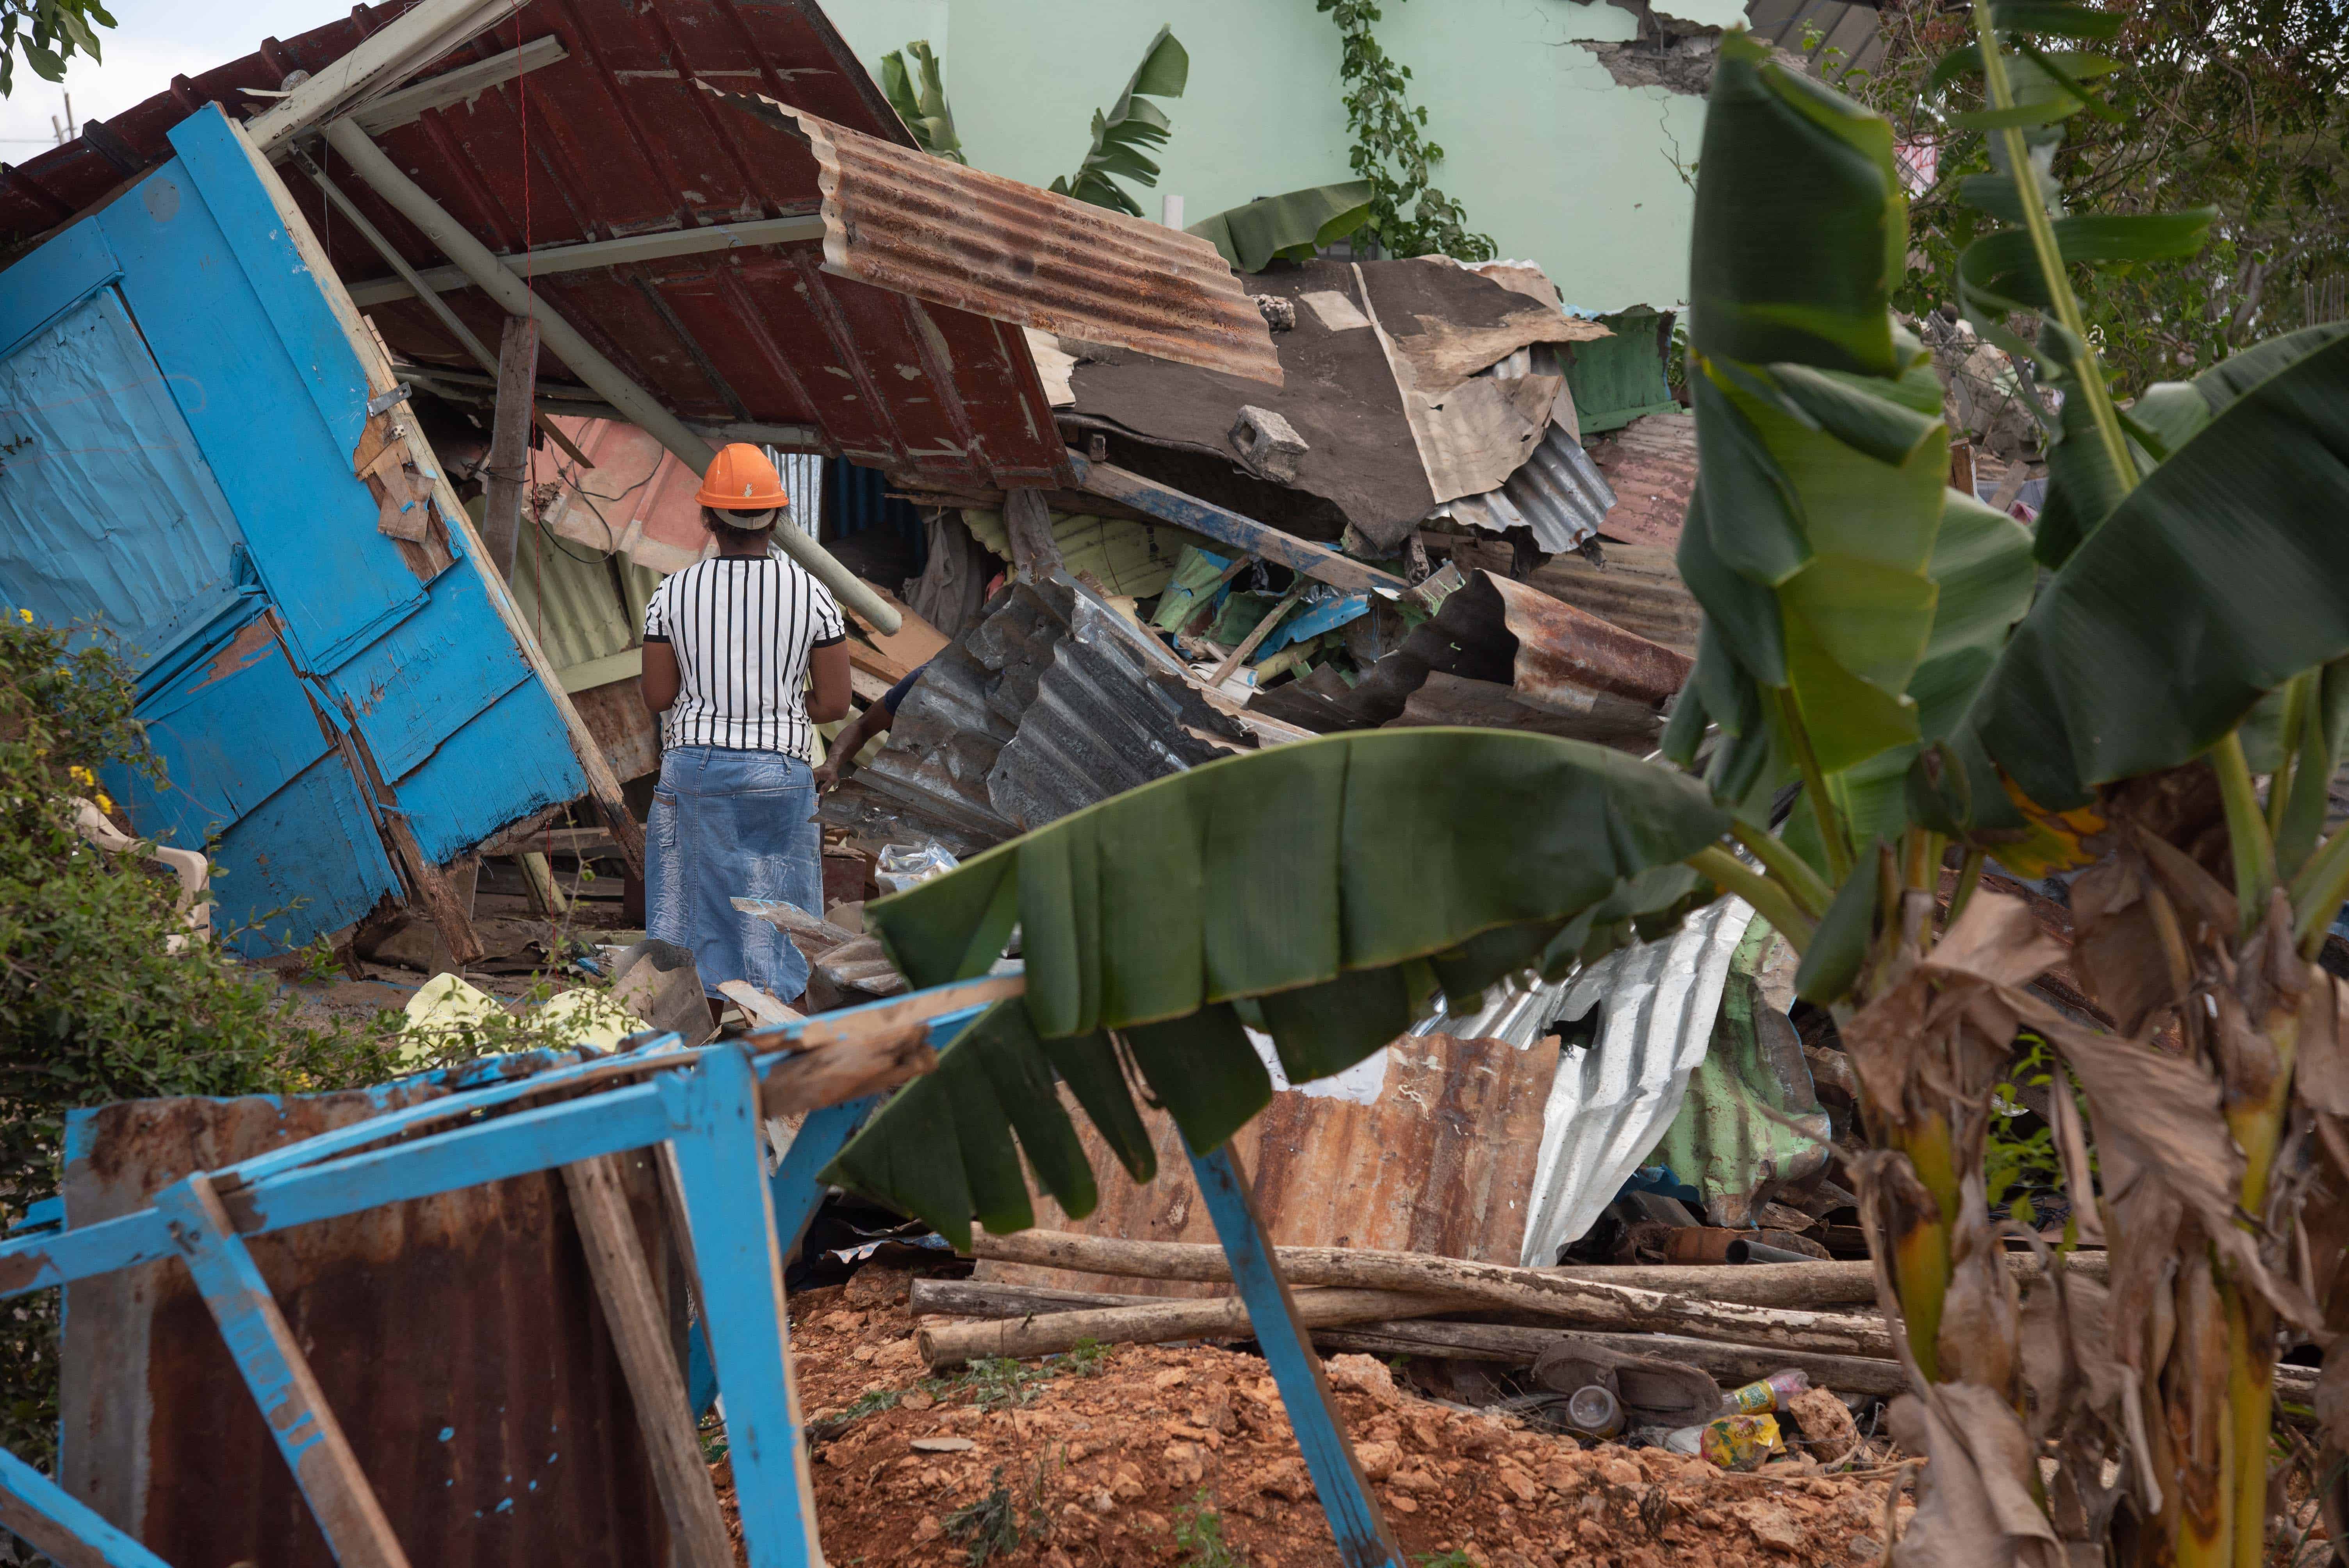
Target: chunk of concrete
656	981
1269	443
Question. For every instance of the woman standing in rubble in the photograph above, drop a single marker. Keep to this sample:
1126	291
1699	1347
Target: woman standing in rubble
745	653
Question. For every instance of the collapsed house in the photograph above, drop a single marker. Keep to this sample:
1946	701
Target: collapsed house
1169	514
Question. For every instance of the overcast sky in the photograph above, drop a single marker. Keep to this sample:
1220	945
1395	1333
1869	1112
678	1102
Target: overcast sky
154	40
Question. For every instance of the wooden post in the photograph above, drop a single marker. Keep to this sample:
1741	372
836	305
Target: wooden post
1257	632
1028	524
1364	1539
631	1309
509	471
713	1114
60	1526
276	1370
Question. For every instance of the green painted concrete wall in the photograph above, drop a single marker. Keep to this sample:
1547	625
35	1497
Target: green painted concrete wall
1548	154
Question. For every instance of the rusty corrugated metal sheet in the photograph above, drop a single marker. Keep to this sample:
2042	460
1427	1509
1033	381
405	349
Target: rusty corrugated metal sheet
1563	652
457	1337
621	144
1441	1161
1650	465
1557	493
929	227
1638	588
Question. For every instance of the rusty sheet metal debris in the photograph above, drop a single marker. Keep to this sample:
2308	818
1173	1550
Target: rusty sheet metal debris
1649	466
901	219
1052	702
493	1430
1439	1159
1506	656
748	342
1557	493
1613	1100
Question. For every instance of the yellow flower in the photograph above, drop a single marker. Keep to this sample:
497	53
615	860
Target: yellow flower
28	614
105	804
81	776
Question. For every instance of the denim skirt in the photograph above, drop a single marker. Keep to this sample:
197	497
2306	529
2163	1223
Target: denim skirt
726	825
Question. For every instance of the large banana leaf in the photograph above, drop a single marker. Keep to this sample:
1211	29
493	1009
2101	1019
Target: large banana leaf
1823	461
1320	892
1123	135
2221	576
1293	225
924	108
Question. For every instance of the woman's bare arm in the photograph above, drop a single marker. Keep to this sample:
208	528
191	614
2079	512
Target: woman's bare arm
828	675
661	682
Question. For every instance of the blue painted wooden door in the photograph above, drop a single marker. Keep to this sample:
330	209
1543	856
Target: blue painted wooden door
180	405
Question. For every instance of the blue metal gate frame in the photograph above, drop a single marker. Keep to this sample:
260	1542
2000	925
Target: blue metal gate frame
707	1104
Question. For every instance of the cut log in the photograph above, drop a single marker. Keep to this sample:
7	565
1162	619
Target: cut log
1048	1334
1585	1303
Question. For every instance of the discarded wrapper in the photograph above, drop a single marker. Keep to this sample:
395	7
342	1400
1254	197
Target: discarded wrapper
1741	1442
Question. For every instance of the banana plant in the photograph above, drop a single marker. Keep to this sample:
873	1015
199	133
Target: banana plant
924	108
1934	685
1125	133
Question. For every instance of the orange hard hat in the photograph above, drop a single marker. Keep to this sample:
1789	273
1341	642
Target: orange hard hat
740	479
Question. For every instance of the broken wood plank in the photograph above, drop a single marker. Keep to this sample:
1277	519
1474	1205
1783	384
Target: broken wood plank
1258	633
1316	561
60	1526
1028	527
508	474
639	1325
762	1007
1589	1304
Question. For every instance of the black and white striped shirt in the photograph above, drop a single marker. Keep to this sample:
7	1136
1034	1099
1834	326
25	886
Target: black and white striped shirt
742	626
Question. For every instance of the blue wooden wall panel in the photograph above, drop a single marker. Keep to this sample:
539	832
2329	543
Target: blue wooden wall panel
233	730
510	761
416	686
108	516
51	281
222	169
309	523
308	857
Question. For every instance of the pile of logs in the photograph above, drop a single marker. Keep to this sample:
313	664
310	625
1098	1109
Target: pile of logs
1737	1323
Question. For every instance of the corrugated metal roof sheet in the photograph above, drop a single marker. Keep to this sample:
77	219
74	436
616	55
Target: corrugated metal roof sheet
621	144
902	220
1557	492
1832	36
1051	703
1612	1103
1649	466
1438	1158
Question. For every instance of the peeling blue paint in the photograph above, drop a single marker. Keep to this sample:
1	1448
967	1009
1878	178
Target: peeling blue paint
191	404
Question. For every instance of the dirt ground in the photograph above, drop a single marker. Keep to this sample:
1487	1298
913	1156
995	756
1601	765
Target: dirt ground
1184	1457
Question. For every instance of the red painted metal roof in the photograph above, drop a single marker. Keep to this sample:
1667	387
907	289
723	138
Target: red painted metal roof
615	140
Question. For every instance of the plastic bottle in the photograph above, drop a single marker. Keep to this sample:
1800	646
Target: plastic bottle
1593	1412
1767	1394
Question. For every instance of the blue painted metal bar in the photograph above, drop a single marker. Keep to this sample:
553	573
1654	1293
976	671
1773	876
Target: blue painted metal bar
1362	1532
713	1113
60	1526
795	1193
1315	561
291	1403
540	1139
359	1134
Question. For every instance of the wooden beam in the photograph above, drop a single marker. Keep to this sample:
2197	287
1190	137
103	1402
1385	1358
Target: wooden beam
60	1526
1316	561
404	105
1257	632
389	55
632	1310
279	1377
1028	524
652	247
508	469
